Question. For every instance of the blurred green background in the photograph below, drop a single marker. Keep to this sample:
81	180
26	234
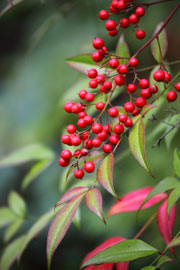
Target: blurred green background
35	39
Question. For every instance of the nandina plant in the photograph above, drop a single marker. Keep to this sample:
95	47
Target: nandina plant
91	145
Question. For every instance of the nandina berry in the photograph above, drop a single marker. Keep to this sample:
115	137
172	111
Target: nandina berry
89	97
81	107
82	115
100	106
140	11
81	123
71	128
110	25
103	135
103	14
68	106
167	76
82	93
66	154
107	148
171	96
121	5
107	128
128	123
146	93
131	88
135	112
113	112
85	135
64	162
88	144
98	43
75	141
89	167
144	83
118	129
77	153
140	102
140	34
113	32
93	83
123	118
133	62
79	174
153	88
107	85
159	75
88	120
103	89
84	152
114	3
65	139
177	86
100	78
133	18
75	109
113	63
114	139
96	142
124	23
92	73
97	57
119	80
129	106
122	69
112	9
96	128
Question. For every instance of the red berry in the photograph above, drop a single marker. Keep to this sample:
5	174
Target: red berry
82	94
121	5
88	144
110	25
114	3
123	118
122	69
71	128
96	142
107	148
114	139
66	154
112	9
167	76
100	106
100	78
79	174
119	80
103	14
118	129
81	123
133	18
140	102
129	106
124	23
97	128
82	115
113	63
140	11
77	153
75	141
135	112
65	139
144	83
89	167
75	109
68	106
159	75
113	32
88	120
171	96
92	73
113	112
133	62
97	56
131	88
89	97
85	135
93	83
84	152
81	107
64	162
153	88
103	135
146	93
128	123
177	86
107	128
107	85
98	43
103	89
140	34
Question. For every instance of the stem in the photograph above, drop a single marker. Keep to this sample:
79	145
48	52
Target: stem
145	226
159	31
152	3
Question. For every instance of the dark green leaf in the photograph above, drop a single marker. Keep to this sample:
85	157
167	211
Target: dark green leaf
173	197
17	204
150	267
6	216
13	228
163	260
122	49
177	162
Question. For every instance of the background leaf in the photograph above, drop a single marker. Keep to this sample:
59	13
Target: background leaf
177	162
6	215
17	204
13	229
173	197
122	49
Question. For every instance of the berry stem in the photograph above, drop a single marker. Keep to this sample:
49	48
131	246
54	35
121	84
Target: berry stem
152	3
146	225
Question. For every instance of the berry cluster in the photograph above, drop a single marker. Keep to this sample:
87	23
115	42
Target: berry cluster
133	14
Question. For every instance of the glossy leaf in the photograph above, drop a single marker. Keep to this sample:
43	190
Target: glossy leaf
162	260
17	204
13	228
165	223
37	227
173	197
28	153
72	194
6	216
163	44
133	200
127	250
10	253
105	174
60	225
122	49
177	162
93	201
137	144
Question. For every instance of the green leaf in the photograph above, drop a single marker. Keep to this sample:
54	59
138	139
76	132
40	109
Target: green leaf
105	174
174	242
163	260
173	197
60	225
122	49
17	204
8	6
83	63
137	144
127	250
77	219
31	152
177	162
163	44
34	172
13	229
150	267
6	216
10	253
35	230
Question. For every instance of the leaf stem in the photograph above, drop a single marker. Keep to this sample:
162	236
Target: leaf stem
145	226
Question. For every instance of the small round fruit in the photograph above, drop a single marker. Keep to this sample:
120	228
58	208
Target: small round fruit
113	63
65	139
131	88
159	75
135	112
113	32
114	139
97	128
97	57
124	23
167	76
89	167
153	88
107	85
103	135
140	11
98	43
64	162
79	174
93	83
75	141
68	106
110	25
118	129
113	112
122	69
123	118
128	123
103	14
146	93
107	148
66	154
144	83
89	97
129	106
133	18
82	94
92	73
177	86
171	96
140	34
140	102
100	106
71	129
133	62
81	123
119	80
96	142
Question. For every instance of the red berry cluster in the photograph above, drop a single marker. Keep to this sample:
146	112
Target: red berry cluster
133	14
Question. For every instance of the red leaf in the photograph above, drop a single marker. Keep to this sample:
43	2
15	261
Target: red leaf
133	200
71	194
122	266
105	266
165	223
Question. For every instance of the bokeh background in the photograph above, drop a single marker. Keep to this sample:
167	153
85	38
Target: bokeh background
36	37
